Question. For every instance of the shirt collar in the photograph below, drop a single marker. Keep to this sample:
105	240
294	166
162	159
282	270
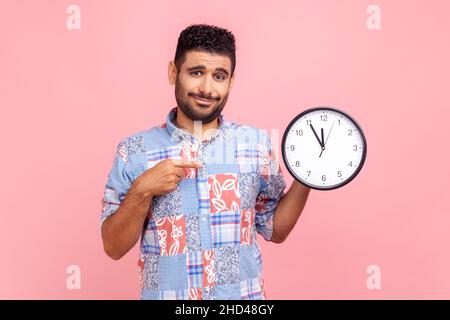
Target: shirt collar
178	134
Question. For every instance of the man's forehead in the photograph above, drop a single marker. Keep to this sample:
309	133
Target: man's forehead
209	60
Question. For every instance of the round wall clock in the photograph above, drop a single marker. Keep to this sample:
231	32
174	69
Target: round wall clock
324	148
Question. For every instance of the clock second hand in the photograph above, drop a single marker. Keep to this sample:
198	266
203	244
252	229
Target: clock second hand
327	138
329	132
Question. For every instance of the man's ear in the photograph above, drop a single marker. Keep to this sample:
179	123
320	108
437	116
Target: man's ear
172	72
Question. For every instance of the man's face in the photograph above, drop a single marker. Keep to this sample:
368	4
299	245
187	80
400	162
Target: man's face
202	85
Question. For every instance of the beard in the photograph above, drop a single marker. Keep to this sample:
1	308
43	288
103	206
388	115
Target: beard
191	110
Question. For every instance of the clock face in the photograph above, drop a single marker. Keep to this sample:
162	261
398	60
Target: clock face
324	148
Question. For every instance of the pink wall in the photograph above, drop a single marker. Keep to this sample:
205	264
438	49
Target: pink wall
68	96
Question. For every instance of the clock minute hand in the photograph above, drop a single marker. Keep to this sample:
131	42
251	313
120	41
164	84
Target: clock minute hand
329	132
317	137
323	144
323	141
326	139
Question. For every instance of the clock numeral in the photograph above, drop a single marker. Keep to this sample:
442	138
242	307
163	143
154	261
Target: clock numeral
339	121
292	147
308	122
350	164
309	172
297	163
299	132
323	117
324	178
350	131
355	147
339	174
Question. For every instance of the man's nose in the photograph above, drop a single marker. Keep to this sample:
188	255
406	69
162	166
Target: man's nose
206	86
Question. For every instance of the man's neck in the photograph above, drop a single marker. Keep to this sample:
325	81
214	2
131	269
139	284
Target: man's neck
197	129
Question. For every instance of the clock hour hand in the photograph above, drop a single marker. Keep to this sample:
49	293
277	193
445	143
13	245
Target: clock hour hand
317	137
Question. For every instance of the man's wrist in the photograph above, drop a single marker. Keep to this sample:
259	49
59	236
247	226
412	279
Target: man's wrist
138	192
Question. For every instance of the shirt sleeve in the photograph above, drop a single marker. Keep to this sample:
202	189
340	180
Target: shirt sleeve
272	185
118	182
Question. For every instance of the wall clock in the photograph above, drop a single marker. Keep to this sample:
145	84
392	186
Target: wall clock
324	148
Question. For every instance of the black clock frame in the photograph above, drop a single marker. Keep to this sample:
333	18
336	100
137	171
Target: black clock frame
283	145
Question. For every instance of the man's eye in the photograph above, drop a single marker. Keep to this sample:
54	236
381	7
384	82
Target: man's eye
220	77
193	72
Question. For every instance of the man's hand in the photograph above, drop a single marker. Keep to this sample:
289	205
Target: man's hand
163	177
288	211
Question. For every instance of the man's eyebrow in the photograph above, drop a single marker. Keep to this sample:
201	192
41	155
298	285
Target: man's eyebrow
202	67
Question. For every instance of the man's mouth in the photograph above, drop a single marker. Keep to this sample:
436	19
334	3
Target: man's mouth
203	101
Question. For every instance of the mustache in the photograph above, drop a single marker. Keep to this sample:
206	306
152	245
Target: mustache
203	97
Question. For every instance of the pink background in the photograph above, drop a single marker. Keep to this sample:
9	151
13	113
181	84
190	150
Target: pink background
68	96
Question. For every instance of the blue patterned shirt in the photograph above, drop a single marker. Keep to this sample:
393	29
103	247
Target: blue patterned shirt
199	241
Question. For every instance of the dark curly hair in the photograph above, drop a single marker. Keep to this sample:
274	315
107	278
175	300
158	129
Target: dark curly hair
207	38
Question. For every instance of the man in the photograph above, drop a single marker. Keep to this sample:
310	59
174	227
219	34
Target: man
198	188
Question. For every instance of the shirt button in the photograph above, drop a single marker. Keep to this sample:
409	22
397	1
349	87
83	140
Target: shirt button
204	219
